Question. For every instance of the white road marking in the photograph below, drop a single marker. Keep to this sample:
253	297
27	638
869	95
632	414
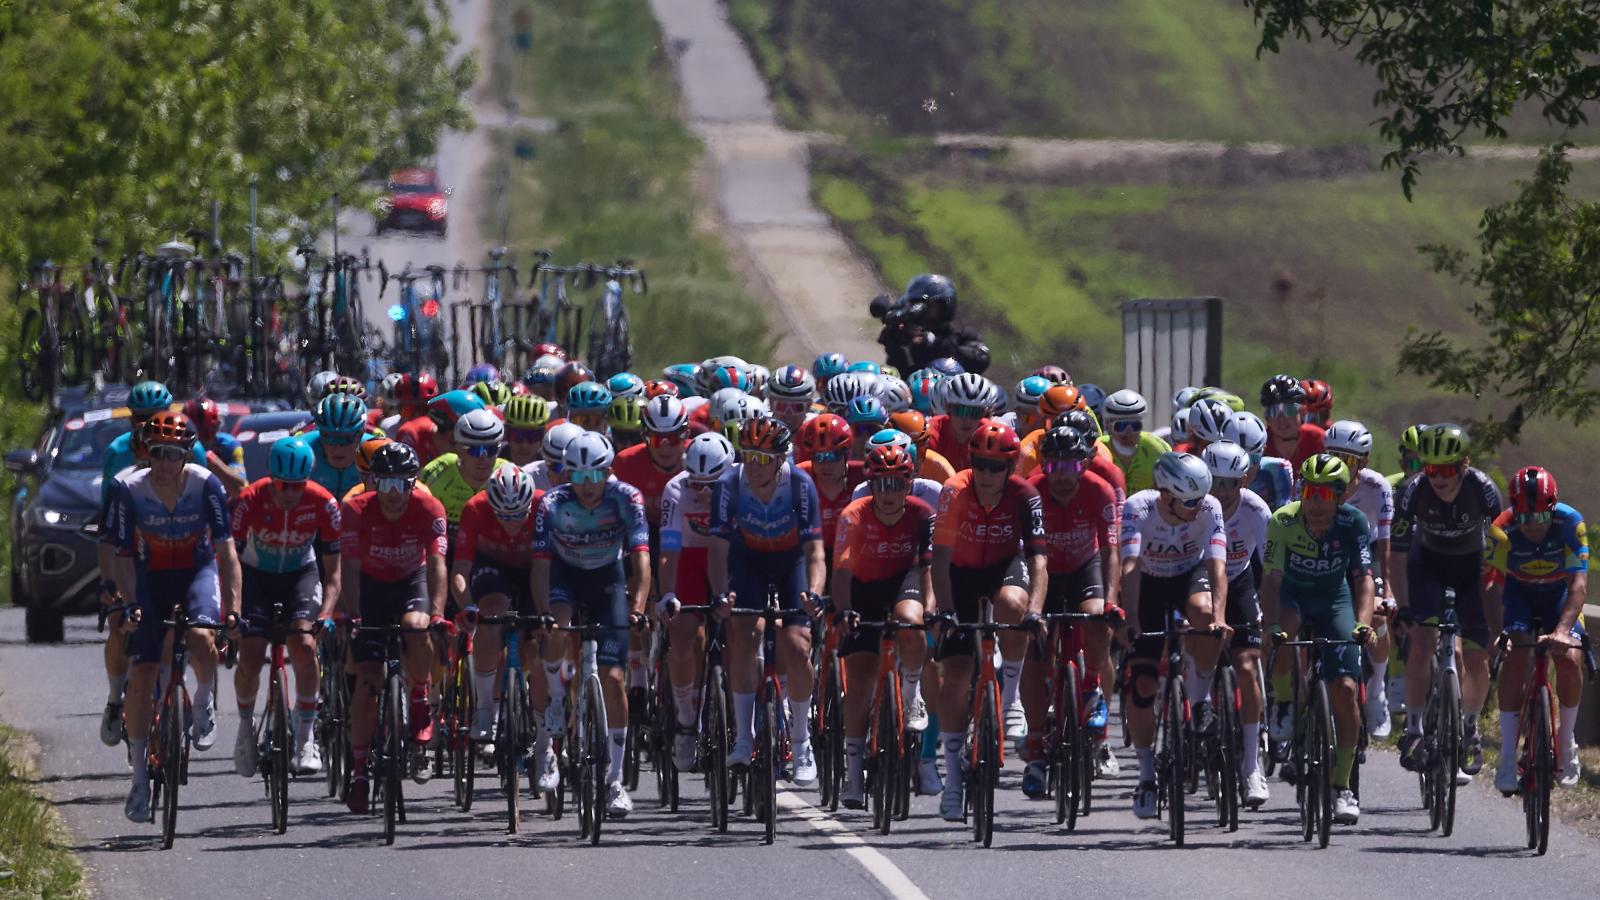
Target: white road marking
887	874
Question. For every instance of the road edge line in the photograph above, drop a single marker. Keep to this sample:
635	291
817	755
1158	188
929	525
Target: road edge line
893	879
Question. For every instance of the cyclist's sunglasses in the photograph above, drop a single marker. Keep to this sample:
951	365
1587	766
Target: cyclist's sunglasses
338	440
891	484
663	439
588	476
1325	492
395	485
1354	461
483	451
790	407
702	485
525	435
1073	466
963	411
989	465
1535	518
280	484
1226	484
169	452
1281	410
1442	470
1125	425
828	456
1188	504
760	457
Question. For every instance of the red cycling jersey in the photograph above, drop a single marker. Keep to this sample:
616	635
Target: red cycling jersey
830	507
418	433
941	438
482	533
1311	442
634	466
873	551
1076	532
392	550
1103	466
274	539
979	537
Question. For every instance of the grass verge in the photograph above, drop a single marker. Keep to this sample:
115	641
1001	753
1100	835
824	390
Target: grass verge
20	421
617	178
39	862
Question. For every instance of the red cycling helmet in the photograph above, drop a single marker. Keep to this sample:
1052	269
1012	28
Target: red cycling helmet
890	460
1319	396
654	389
204	414
994	440
824	433
571	374
415	390
548	349
1533	490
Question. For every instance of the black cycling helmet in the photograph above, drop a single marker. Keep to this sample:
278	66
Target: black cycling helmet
936	292
1081	419
1066	442
395	460
1282	389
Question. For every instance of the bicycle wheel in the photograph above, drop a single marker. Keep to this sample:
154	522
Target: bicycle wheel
172	741
1319	759
1449	750
830	738
987	771
764	771
1269	764
394	751
664	730
1226	753
715	742
905	782
278	767
511	747
1536	783
1066	744
1425	779
886	759
595	757
1174	768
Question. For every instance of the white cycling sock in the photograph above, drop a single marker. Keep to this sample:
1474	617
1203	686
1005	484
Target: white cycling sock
1011	682
619	746
1510	722
1375	684
1564	731
953	742
852	755
1251	757
910	683
117	686
744	712
1413	719
684	706
483	685
140	751
552	680
1147	762
1197	684
800	724
202	693
247	718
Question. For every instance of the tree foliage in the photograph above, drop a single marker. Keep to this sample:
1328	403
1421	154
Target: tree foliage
123	119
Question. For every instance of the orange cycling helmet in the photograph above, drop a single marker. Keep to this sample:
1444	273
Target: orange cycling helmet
824	433
367	450
994	440
1058	399
912	423
890	460
765	434
169	428
1319	396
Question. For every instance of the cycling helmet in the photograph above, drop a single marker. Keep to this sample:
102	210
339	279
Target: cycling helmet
758	376
168	428
449	406
549	349
365	452
686	376
1282	389
479	428
1207	419
714	380
892	436
1444	444
866	382
148	398
1058	399
841	389
625	384
865	412
1180	425
587	452
538	375
887	369
1411	438
892	393
1183	475
890	460
1184	397
557	438
427	386
742	409
510	491
1247	430
1532	490
658	388
1348	436
317	387
864	365
204	414
527	411
493	392
395	460
1319	396
792	383
1066	442
571	374
947	367
1126	404
665	415
1053	374
1081	419
479	373
341	414
518	389
290	459
994	440
912	422
1325	468
764	433
707	456
925	392
728	405
346	384
1232	401
1094	397
1226	459
968	389
828	365
1025	397
823	433
588	396
936	293
627	413
390	386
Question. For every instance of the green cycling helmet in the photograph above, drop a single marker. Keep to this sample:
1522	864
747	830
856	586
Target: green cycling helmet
1325	468
627	413
1411	438
527	411
1442	445
493	392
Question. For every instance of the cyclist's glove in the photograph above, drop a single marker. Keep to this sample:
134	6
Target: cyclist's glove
638	621
667	606
1034	623
1362	634
440	623
850	619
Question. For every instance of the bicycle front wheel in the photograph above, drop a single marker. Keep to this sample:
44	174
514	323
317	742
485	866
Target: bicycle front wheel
1449	755
764	773
987	771
511	748
278	775
1536	782
1229	741
716	749
830	738
394	751
886	759
1065	766
596	756
1175	768
1319	763
172	744
664	730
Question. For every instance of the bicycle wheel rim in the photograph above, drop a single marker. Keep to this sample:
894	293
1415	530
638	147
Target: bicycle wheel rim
1543	757
280	751
1323	783
171	764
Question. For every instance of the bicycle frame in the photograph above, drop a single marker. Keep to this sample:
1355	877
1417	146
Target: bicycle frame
169	726
888	741
1313	765
771	731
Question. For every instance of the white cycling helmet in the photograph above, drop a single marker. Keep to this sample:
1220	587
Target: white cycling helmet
733	405
792	383
1125	404
587	451
1207	419
969	389
510	492
664	414
892	393
759	376
1184	397
1348	436
1183	475
1226	459
1180	425
709	367
841	390
556	439
317	386
388	385
1247	430
708	456
479	428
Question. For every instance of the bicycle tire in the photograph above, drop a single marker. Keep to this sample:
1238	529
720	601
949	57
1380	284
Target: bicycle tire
596	756
1320	780
765	772
1537	784
886	759
1269	765
1450	751
1230	739
716	743
278	776
172	744
987	770
1176	769
512	748
394	698
1425	779
30	356
831	735
910	752
665	730
1065	767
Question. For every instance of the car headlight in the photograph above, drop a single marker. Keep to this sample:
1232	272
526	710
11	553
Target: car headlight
436	209
55	518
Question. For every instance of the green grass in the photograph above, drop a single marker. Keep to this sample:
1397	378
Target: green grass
617	178
31	845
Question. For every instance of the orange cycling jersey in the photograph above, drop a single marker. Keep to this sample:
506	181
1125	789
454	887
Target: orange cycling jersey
934	466
981	537
873	551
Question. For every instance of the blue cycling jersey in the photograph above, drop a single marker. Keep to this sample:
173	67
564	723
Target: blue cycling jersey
590	538
230	451
140	525
1274	481
119	456
338	482
791	518
1563	550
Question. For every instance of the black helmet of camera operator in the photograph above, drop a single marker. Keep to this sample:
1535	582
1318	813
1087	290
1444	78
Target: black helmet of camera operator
936	292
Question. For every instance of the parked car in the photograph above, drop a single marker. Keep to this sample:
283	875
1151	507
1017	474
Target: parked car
415	201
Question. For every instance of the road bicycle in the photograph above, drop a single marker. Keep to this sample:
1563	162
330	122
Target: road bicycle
662	729
610	340
771	730
829	712
1315	737
453	747
514	726
162	278
1174	735
333	708
587	754
1440	747
419	345
51	337
390	758
716	718
274	740
1216	757
170	728
1069	747
108	339
892	750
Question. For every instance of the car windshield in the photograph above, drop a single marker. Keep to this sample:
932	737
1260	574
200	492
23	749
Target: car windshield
82	442
398	187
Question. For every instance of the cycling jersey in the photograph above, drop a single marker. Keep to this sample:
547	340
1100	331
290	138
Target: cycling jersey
1563	551
138	523
1456	527
539	471
1399	526
1076	532
230	451
634	466
392	551
1247	532
273	539
942	439
933	466
336	481
584	538
874	551
119	455
443	478
924	489
418	434
793	517
1168	550
1318	567
1138	465
685	515
830	507
980	537
1311	442
1375	499
1274	481
484	534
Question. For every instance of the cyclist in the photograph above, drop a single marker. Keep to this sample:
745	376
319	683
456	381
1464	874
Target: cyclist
412	393
547	471
1028	414
1208	418
925	391
827	366
1287	436
582	532
168	525
286	527
1319	577
454	478
1400	548
1271	478
1082	528
650	465
865	416
392	547
1133	449
967	400
385	415
825	445
206	417
589	407
881	568
766	534
790	393
988	541
1245	514
627	421
1449	506
341	422
571	374
1174	560
493	392
1539	565
1370	492
526	418
491	570
432	434
931	464
1100	462
1053	402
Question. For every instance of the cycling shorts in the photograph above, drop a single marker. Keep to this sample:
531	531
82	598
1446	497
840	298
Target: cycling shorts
1244	611
693	588
751	574
1336	621
596	597
301	591
383	603
1429	573
489	577
196	588
1535	609
1069	591
1159	596
875	601
969	585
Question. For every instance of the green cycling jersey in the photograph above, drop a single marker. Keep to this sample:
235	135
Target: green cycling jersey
1318	567
1139	466
442	475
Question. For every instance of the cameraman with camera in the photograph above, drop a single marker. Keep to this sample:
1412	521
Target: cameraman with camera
919	328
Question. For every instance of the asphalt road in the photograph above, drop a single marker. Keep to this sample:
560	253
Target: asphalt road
224	839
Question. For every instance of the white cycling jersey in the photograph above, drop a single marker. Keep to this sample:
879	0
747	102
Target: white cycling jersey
924	489
1375	498
685	515
1247	531
1164	549
539	471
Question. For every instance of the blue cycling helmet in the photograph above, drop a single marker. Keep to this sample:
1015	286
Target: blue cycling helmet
625	384
924	384
728	377
588	396
341	414
865	365
481	372
686	376
1094	397
1029	390
829	365
290	459
895	437
947	367
148	398
865	410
